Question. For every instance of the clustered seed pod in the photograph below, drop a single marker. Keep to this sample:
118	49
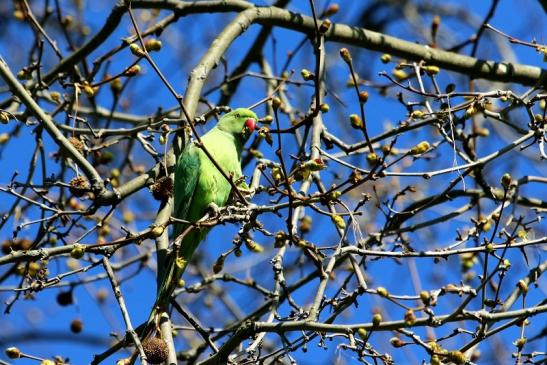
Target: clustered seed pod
162	189
156	350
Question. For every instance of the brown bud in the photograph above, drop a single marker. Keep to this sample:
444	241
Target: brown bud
162	189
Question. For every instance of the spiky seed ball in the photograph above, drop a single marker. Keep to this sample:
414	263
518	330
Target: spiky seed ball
79	186
65	298
155	350
76	326
77	143
162	189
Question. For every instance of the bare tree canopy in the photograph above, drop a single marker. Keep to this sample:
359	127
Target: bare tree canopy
392	204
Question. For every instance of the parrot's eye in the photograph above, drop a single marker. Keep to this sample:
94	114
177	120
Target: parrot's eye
250	124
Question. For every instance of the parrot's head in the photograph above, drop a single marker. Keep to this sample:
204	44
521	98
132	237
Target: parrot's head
240	123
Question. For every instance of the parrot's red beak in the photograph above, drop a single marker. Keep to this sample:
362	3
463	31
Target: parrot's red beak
250	124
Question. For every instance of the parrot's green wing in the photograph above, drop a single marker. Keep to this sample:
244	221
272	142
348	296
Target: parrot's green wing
186	176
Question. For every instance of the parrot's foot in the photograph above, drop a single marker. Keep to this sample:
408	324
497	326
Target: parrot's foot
213	210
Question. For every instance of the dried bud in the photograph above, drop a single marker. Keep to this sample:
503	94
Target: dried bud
156	350
55	96
346	56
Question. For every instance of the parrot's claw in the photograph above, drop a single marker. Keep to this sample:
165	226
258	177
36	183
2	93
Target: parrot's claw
213	210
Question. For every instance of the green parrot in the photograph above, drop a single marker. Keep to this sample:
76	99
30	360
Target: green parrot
198	183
